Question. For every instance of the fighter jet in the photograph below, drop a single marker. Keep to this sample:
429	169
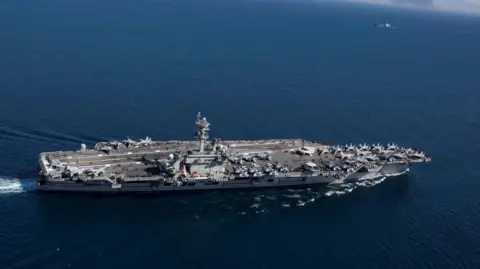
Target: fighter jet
400	155
104	148
419	155
377	147
371	158
130	143
115	144
363	147
146	141
345	156
336	148
392	146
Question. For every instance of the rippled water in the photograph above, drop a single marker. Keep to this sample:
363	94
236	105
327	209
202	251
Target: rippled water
86	71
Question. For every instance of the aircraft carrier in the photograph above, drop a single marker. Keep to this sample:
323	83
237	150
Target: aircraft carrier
203	164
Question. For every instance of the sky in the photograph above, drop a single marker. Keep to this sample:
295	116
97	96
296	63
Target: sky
464	6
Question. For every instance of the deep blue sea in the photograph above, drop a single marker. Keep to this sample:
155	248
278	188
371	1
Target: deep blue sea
75	72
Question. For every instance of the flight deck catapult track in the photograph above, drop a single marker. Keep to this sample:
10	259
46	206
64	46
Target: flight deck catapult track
158	166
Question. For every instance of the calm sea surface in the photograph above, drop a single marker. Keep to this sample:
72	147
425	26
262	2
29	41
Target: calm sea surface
75	72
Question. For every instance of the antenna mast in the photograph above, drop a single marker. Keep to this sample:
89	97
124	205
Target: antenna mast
203	126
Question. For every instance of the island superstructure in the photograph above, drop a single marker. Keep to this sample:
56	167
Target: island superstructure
157	166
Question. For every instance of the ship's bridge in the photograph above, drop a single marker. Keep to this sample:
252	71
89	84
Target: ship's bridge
201	164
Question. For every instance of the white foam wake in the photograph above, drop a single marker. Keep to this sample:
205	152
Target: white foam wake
13	185
335	189
341	189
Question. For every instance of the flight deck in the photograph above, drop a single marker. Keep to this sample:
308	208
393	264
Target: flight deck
204	163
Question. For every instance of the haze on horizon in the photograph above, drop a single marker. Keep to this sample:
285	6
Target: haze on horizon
462	6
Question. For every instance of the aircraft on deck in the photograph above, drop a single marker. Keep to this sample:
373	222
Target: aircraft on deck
392	146
363	147
350	147
337	148
146	141
377	147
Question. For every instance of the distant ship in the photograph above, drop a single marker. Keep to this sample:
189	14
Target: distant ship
157	166
382	24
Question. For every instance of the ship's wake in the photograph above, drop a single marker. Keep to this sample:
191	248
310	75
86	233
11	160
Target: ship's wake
337	189
302	197
14	185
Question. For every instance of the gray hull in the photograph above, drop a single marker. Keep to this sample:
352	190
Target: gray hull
388	170
199	186
203	164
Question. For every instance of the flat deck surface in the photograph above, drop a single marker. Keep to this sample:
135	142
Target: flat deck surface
161	150
141	161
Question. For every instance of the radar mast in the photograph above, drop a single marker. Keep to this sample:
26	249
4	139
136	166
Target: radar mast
203	126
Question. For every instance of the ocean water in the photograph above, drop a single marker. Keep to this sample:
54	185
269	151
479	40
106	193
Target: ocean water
75	72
